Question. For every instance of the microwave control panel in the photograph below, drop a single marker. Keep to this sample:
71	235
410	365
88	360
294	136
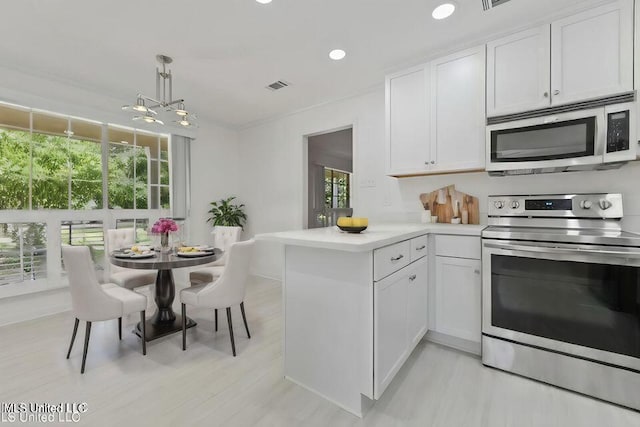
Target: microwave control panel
618	131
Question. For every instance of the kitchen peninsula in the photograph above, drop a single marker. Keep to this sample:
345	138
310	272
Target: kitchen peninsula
356	305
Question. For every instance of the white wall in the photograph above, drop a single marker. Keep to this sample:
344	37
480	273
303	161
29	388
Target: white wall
273	175
214	175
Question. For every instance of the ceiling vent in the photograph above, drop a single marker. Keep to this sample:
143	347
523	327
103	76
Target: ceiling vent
490	4
277	85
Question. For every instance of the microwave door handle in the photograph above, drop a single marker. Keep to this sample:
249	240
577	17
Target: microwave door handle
568	251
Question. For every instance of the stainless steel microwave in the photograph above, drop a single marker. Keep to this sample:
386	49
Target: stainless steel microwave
597	138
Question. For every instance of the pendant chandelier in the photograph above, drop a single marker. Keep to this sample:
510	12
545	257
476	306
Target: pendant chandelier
146	107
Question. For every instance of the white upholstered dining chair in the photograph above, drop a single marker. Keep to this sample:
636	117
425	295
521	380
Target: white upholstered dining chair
223	238
127	277
228	290
93	302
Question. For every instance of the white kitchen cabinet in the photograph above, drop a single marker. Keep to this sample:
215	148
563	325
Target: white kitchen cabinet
417	318
518	76
435	116
583	56
458	111
407	121
400	320
457	298
592	53
390	328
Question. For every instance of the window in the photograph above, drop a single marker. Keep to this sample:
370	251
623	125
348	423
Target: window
23	252
15	158
128	170
336	188
66	163
95	174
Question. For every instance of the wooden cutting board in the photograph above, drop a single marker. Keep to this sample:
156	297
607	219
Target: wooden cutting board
447	203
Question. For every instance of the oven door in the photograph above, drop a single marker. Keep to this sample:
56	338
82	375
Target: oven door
580	300
562	140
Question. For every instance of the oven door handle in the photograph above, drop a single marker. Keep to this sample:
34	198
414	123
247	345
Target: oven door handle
556	250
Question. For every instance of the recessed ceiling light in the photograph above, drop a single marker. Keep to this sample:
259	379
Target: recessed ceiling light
443	11
263	1
337	54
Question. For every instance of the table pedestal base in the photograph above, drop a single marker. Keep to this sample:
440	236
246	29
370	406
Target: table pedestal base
158	330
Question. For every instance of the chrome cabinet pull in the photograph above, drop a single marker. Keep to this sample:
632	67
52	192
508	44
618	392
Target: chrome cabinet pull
397	258
412	277
556	92
546	94
476	271
421	248
433	162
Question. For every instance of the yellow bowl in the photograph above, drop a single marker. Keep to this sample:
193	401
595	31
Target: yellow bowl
344	221
359	222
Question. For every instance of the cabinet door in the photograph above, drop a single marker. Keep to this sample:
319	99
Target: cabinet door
407	121
458	289
390	328
592	53
518	72
417	302
457	111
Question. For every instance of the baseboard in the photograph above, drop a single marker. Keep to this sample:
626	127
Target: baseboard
31	306
454	342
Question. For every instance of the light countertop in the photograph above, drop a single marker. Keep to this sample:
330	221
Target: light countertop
375	236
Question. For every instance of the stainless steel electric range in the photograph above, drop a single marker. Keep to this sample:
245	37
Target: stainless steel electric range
561	293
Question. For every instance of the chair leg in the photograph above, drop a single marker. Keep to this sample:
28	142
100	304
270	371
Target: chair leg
184	327
73	336
120	328
143	329
233	344
215	311
244	317
87	334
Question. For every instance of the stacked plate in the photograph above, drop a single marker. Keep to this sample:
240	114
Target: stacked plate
194	251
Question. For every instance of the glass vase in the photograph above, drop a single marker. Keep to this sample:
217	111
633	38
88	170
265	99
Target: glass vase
165	248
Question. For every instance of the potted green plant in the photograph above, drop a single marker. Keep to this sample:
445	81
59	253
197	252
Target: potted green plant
225	213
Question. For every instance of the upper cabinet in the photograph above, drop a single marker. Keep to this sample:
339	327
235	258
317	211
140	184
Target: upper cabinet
457	111
584	56
518	72
592	53
435	116
407	118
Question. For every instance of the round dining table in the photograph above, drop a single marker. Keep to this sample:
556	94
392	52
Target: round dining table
164	321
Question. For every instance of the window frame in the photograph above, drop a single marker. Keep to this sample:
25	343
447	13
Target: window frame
53	218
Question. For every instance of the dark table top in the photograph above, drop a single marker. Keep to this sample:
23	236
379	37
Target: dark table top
164	261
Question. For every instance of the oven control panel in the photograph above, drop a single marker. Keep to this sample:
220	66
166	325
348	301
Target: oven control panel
597	205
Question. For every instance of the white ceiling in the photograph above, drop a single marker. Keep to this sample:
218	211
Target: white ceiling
226	51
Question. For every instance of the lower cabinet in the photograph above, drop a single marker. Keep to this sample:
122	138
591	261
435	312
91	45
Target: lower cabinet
417	303
458	287
400	320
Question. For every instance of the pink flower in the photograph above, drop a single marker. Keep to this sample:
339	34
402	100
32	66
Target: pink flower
164	225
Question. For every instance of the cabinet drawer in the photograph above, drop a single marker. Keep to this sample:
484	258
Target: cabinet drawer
458	246
418	247
390	259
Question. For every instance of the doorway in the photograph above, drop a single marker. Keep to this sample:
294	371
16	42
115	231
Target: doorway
330	183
